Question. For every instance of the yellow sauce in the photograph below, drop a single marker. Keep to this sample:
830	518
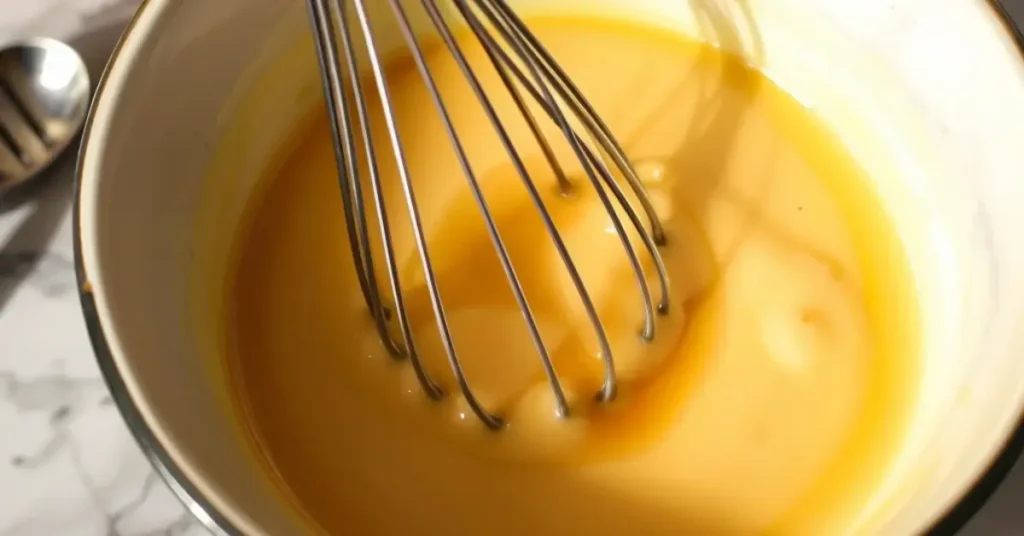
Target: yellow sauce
772	399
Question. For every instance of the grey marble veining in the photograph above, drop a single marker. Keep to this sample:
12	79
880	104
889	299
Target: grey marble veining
68	466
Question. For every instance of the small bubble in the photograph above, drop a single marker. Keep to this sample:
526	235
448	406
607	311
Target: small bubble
651	172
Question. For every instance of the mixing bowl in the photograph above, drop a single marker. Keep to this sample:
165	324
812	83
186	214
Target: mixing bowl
928	95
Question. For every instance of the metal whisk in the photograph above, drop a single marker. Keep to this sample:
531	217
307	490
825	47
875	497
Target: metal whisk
524	66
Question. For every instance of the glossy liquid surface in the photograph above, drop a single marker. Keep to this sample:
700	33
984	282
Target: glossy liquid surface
771	401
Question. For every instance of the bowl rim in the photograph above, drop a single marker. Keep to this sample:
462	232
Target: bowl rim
218	522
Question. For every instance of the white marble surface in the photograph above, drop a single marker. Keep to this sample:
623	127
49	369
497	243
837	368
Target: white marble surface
68	465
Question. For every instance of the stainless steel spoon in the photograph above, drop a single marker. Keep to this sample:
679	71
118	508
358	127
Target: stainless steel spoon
44	96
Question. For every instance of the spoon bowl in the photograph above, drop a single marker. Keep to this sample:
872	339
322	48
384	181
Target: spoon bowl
44	96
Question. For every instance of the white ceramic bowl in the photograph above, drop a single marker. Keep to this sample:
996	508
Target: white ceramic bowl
928	95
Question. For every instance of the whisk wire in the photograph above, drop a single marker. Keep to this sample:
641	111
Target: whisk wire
381	311
431	388
514	37
609	386
344	148
610	383
514	40
548	85
562	406
571	93
563	181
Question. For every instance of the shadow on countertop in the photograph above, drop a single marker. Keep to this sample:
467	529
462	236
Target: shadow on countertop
48	198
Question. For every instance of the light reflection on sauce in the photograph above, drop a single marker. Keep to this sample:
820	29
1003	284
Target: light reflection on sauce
771	401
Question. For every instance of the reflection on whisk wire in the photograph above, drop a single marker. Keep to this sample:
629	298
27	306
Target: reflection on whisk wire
502	34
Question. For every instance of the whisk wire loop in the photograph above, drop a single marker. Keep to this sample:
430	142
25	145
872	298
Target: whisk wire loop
550	88
609	386
514	41
348	172
536	57
586	112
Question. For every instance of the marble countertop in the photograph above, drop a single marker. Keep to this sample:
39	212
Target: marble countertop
68	466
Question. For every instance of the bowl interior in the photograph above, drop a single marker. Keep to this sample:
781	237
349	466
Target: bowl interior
933	120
